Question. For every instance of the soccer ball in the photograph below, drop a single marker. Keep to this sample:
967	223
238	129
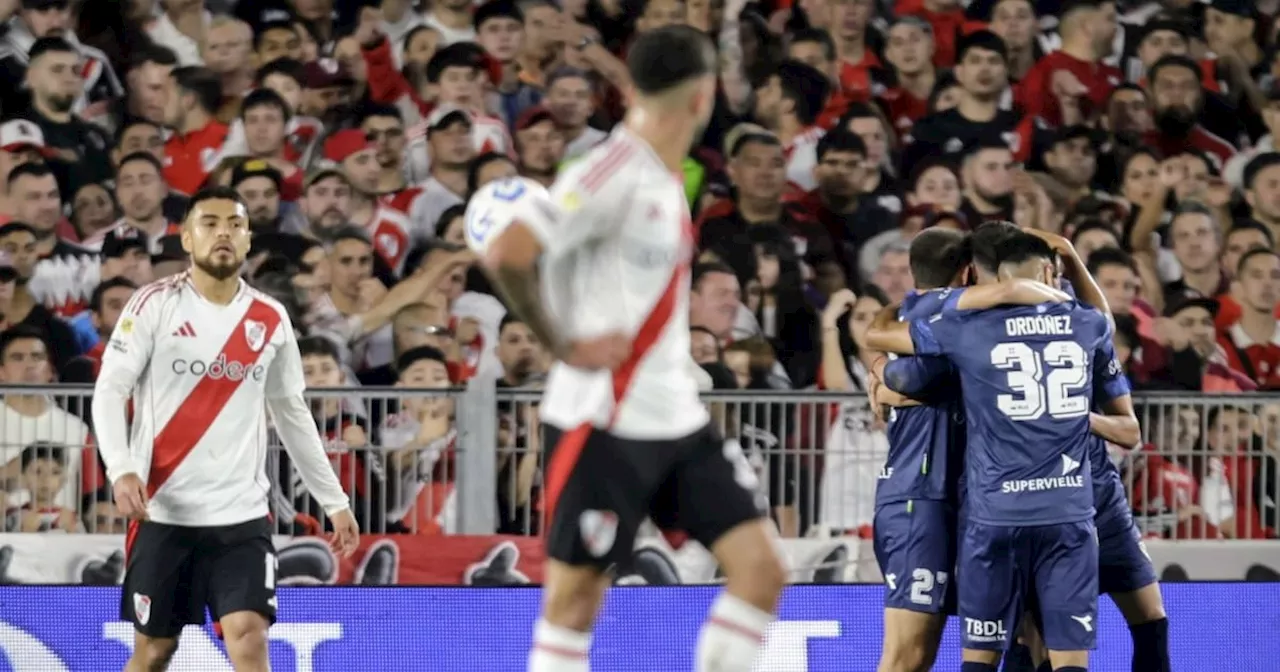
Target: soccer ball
495	205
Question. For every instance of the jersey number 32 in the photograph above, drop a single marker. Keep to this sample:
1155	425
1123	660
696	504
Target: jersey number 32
1043	383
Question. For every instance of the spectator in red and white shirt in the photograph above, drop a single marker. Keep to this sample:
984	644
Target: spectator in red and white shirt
1072	84
814	48
1252	344
21	141
265	116
384	127
450	140
140	192
326	85
789	105
388	230
194	147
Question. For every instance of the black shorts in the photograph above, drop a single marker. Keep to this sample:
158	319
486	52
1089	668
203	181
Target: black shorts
601	488
174	572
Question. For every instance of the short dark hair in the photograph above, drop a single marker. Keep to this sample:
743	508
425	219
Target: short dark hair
46	45
937	257
985	241
277	24
36	170
841	139
370	110
1251	225
10	228
130	123
149	52
20	332
703	269
1249	256
662	59
984	40
817	36
477	164
451	213
350	233
806	88
202	83
456	55
145	157
423	352
95	300
264	97
1022	247
1110	256
1093	225
318	346
215	193
288	67
44	450
496	9
509	319
1173	61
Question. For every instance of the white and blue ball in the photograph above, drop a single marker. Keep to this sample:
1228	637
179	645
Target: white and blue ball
495	205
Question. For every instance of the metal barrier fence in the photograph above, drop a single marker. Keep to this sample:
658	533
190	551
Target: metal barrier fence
469	461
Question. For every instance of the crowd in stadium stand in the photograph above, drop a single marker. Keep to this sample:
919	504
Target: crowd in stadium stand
1141	130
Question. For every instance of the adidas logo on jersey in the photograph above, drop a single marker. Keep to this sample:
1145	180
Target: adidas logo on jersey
185	331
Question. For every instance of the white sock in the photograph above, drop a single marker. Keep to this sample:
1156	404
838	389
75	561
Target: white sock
732	635
557	649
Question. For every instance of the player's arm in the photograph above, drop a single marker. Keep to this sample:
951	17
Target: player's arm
126	356
296	427
1019	291
887	334
912	376
1074	270
1111	393
511	262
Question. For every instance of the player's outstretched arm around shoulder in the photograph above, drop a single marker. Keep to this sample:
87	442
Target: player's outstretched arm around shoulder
297	430
887	334
1075	270
1017	291
126	356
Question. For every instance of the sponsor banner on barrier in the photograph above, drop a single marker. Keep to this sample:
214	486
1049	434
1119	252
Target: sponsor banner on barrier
92	559
1222	626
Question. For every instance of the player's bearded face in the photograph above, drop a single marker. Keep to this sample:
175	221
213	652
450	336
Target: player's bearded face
216	234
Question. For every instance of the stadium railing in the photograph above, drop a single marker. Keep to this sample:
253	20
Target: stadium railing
1207	468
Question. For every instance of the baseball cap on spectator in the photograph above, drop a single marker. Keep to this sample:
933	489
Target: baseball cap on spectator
344	143
1242	8
321	173
119	241
1184	303
20	134
255	168
532	116
325	73
444	115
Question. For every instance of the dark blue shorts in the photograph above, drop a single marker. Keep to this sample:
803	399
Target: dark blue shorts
915	544
1050	569
1123	564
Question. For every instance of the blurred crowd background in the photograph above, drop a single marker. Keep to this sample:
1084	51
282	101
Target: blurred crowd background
356	131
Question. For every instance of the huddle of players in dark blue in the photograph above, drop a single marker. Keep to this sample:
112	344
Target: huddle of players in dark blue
998	499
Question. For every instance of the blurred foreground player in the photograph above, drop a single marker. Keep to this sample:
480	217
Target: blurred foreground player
1028	541
203	356
601	275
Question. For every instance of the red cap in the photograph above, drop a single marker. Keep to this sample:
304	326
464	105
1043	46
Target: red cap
342	144
531	116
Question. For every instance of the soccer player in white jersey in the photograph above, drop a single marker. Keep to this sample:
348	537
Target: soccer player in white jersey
601	275
203	356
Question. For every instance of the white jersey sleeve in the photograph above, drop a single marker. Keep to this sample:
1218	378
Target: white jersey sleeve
297	428
589	197
126	356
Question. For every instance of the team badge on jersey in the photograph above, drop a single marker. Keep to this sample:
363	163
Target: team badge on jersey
599	530
126	326
141	608
255	333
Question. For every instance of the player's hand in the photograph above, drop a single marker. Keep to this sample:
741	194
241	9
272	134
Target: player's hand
346	533
603	352
1059	244
131	496
839	302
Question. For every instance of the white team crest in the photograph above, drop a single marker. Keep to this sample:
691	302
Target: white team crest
255	333
599	529
141	608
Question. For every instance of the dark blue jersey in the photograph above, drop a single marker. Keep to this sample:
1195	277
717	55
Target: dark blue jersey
1026	376
1109	383
926	443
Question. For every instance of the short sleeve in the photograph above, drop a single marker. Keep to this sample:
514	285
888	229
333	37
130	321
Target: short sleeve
1109	380
933	335
284	377
587	203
